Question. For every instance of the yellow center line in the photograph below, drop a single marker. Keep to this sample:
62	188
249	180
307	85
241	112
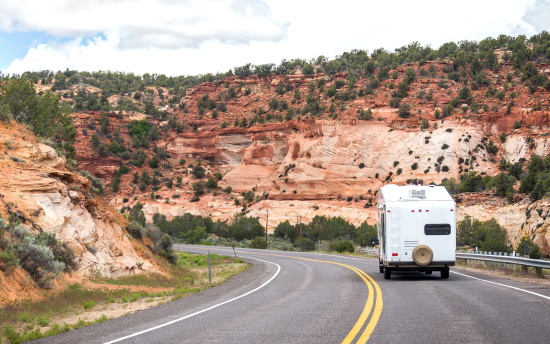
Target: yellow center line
366	311
369	281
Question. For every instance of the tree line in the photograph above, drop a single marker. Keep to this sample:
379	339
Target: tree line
43	114
194	229
489	236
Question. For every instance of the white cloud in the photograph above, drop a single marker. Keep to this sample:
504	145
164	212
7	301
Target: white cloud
177	37
538	15
168	24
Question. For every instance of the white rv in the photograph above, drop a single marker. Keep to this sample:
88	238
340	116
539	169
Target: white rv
417	229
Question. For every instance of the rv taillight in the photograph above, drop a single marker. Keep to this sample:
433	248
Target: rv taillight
419	210
394	254
388	211
412	211
452	210
427	210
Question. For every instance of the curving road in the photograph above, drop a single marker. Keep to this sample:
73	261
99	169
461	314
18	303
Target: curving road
289	297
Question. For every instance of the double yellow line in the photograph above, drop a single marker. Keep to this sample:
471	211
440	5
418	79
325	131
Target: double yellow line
374	300
373	306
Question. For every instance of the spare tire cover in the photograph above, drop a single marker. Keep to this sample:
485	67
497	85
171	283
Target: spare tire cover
422	255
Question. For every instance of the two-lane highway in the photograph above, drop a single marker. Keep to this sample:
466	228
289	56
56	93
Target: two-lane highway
289	297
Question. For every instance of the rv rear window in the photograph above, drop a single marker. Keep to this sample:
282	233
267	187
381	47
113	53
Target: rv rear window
437	229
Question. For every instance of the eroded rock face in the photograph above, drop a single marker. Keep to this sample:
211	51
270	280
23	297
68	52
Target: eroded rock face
329	162
339	158
46	196
517	218
336	164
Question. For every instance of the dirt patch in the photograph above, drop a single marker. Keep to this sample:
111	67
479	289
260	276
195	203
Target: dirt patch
133	288
110	311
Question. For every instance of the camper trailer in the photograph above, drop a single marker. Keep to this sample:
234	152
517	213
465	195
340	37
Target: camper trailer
417	229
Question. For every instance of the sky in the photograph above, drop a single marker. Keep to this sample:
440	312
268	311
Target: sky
192	37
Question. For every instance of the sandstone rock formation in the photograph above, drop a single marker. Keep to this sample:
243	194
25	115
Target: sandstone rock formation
37	188
331	159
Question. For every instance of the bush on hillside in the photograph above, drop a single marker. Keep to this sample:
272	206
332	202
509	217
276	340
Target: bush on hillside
304	244
258	242
342	246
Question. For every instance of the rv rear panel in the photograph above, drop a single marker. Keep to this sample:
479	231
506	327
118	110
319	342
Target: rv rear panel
417	228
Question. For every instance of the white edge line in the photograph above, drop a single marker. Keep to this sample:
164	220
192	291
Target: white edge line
204	310
504	285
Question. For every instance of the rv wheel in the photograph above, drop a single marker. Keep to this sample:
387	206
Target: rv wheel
381	268
387	273
428	272
445	273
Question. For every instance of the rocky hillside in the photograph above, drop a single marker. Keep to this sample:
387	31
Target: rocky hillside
303	138
38	190
317	165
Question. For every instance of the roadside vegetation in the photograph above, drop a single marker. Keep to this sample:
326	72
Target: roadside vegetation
20	102
489	236
329	233
66	310
41	255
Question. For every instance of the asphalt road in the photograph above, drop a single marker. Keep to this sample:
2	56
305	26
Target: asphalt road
291	297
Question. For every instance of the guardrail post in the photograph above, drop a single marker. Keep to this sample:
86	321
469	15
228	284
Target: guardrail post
209	269
539	272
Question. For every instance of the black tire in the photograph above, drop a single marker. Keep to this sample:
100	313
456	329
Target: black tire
387	273
445	274
428	272
381	268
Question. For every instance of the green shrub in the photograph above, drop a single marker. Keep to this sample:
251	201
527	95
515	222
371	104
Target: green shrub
304	244
258	242
342	246
97	183
530	248
194	236
135	229
8	261
89	304
285	230
35	254
211	183
424	124
492	149
198	171
486	236
65	254
12	335
154	162
43	320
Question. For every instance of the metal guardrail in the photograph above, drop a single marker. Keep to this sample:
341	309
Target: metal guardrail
538	264
535	263
371	251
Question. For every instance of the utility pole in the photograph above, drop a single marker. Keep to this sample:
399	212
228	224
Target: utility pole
298	218
266	219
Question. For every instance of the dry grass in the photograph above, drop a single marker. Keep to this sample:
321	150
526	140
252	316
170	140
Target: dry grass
102	298
513	272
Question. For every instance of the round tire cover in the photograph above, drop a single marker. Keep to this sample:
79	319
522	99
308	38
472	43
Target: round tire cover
422	255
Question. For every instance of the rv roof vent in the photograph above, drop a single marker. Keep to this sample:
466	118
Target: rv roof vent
418	194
